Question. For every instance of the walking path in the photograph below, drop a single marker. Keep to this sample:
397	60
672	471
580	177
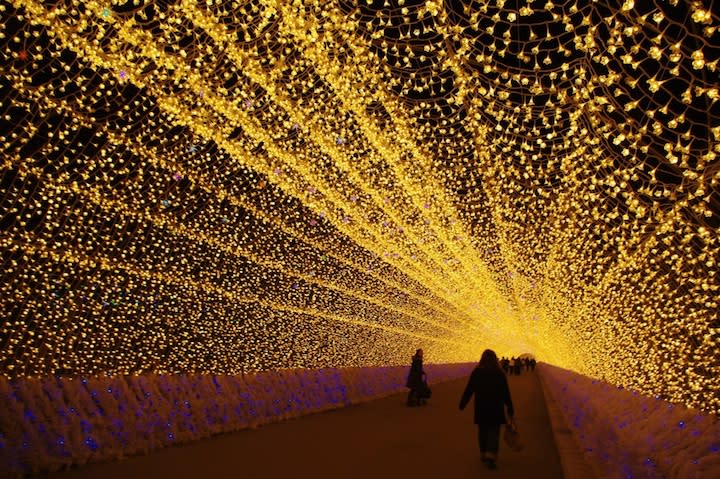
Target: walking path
379	439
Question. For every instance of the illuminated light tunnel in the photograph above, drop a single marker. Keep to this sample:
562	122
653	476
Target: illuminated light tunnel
233	187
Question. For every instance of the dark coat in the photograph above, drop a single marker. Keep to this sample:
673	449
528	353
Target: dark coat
415	376
492	394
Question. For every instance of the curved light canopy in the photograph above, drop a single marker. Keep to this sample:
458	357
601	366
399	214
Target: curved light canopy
252	185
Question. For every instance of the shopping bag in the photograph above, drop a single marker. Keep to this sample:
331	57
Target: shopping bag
512	437
425	391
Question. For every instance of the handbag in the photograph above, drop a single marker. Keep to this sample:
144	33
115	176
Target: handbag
512	436
424	391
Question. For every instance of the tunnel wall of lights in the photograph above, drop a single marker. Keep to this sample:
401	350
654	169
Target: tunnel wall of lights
233	187
623	433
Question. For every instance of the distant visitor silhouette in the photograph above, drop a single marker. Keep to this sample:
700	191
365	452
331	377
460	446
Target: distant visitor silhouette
417	382
492	396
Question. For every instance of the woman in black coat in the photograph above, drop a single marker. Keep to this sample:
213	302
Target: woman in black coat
492	397
416	380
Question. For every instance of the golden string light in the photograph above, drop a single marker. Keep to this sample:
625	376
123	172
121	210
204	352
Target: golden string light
236	186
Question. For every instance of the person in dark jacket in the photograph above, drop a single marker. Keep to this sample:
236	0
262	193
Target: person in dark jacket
416	380
492	398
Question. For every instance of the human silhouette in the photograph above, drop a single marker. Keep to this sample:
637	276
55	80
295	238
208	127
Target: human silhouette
416	381
492	397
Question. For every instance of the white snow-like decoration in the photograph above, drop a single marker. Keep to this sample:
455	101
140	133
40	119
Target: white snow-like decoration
51	423
624	434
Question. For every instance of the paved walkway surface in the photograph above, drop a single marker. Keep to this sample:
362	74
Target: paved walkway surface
379	439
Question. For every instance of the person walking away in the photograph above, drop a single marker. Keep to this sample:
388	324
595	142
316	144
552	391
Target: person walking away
492	399
416	380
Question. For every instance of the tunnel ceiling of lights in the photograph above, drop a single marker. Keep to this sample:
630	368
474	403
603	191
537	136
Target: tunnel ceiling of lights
223	187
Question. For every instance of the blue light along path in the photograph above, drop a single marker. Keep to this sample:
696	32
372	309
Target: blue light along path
379	439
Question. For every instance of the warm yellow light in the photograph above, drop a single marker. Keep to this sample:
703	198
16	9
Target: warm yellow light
230	186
